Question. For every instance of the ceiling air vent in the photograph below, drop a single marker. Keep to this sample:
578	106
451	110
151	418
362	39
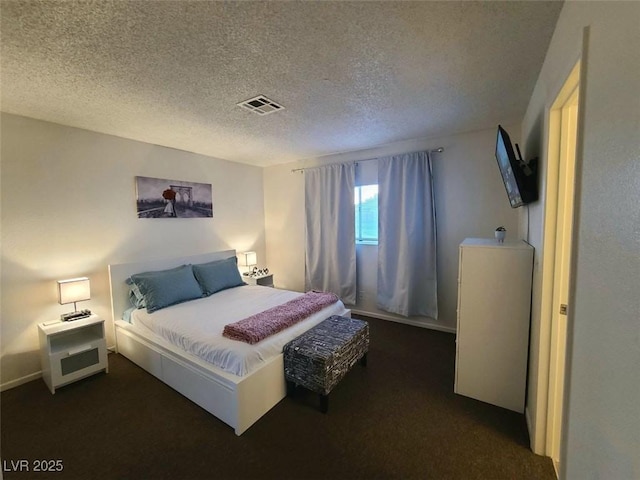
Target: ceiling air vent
261	105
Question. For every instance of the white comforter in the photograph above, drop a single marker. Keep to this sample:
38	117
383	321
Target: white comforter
196	326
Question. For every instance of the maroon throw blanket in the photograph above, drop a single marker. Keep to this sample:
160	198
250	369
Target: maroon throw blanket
261	325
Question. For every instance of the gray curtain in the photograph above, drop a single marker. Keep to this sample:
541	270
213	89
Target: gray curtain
330	255
407	236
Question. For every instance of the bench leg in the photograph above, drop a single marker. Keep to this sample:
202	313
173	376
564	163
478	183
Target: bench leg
291	388
363	360
324	403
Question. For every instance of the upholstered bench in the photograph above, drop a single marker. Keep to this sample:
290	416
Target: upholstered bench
319	358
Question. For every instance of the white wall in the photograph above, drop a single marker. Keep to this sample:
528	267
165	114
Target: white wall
68	210
602	419
470	201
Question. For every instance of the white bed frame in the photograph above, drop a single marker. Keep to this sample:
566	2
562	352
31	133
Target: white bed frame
237	401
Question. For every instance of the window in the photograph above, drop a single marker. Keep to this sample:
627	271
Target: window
366	202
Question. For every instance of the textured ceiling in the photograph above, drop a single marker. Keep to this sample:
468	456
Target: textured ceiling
351	75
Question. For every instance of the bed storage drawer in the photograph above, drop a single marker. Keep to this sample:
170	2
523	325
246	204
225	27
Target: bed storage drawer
147	358
196	387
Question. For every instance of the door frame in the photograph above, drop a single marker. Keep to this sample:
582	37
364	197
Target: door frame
559	201
576	77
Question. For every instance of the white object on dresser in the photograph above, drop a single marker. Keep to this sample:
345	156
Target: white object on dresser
494	297
261	280
72	350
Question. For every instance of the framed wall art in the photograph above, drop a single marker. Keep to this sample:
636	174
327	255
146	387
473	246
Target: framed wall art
161	198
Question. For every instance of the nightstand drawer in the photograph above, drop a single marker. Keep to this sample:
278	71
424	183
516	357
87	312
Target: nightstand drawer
79	361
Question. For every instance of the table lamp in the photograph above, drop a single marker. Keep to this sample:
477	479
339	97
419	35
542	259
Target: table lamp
74	290
248	259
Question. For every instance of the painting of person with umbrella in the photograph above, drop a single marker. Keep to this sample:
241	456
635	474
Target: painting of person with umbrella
170	196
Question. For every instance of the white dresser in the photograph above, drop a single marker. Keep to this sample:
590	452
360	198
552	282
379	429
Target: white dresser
494	298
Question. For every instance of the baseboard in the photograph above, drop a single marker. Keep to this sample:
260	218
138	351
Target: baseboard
20	381
32	376
382	316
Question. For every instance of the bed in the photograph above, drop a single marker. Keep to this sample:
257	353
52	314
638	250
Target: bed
237	393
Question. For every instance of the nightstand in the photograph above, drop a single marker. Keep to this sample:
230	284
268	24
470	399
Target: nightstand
262	280
72	350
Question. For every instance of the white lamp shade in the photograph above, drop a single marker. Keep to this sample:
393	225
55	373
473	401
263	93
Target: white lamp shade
73	290
248	259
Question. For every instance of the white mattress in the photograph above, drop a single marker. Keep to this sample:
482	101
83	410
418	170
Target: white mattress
196	326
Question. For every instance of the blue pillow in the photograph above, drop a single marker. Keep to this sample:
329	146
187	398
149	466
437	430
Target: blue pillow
218	275
167	287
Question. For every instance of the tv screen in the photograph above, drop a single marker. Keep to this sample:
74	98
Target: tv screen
519	178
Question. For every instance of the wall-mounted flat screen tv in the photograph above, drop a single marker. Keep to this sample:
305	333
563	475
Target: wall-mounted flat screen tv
520	178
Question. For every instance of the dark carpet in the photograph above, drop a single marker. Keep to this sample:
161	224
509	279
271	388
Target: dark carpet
396	418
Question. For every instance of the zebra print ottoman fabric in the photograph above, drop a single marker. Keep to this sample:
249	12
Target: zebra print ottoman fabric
320	357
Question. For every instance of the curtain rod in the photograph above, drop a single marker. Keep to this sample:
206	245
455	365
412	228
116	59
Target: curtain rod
433	150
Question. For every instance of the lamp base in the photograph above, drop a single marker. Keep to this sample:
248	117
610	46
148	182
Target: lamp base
67	317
